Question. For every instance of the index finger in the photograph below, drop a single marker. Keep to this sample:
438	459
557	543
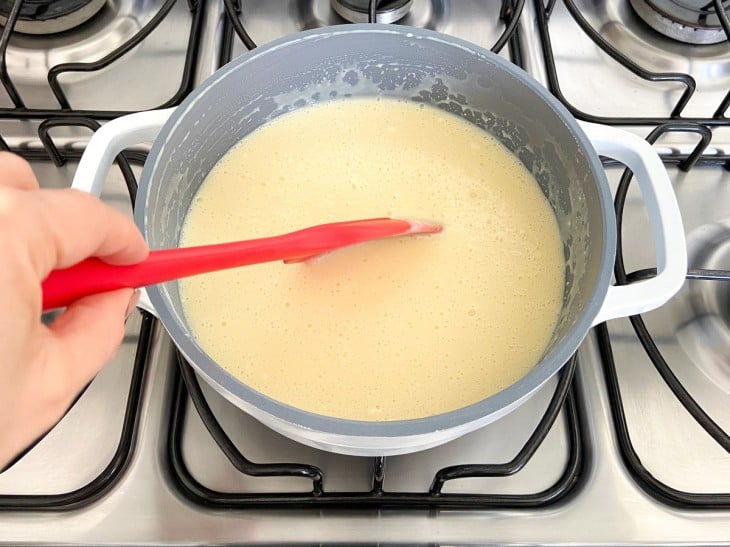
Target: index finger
68	226
17	173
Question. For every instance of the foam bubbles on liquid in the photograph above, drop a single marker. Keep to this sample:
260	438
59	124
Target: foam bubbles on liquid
410	326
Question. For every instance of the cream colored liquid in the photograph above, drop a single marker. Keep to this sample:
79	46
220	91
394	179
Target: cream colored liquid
387	330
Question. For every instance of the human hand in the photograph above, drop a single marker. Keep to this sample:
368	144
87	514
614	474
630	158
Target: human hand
43	368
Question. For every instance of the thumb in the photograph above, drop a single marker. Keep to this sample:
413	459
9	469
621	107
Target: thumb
89	332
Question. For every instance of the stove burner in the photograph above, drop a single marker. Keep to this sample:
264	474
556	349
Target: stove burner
356	11
689	21
50	16
706	333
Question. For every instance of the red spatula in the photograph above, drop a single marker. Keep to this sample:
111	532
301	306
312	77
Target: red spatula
92	276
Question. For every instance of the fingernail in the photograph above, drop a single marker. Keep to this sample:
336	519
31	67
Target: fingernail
132	304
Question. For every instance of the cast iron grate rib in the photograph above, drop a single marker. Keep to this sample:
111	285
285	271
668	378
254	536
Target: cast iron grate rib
641	474
186	388
544	11
100	485
21	111
643	477
508	11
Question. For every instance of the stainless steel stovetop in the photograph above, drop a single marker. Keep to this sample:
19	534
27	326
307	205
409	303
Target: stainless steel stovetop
624	461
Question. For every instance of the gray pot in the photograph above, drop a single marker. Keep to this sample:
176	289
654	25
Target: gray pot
384	60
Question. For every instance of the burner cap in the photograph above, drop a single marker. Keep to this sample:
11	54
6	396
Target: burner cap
356	11
50	16
689	21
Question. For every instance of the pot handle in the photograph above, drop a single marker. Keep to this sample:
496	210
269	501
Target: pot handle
665	219
106	143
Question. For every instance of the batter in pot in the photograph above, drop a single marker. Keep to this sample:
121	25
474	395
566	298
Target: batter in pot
388	330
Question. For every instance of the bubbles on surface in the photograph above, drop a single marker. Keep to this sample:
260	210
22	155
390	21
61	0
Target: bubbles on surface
405	327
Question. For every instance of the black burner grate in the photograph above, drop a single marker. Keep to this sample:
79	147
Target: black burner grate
186	388
509	13
641	474
674	122
99	486
21	111
718	117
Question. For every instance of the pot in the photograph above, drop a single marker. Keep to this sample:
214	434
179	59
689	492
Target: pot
384	60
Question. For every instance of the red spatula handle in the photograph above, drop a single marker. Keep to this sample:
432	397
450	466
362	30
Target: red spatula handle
92	276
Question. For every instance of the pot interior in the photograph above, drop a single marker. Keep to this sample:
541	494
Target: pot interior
357	61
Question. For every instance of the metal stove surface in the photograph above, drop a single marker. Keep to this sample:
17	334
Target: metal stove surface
607	505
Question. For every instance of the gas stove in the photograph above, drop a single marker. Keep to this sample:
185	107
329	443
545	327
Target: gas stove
628	445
